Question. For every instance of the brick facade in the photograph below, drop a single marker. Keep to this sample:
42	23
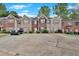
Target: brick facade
38	23
70	26
10	22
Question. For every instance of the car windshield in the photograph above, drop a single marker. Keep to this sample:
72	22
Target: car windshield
14	31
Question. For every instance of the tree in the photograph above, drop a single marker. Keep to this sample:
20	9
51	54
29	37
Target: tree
3	11
44	10
2	7
74	12
74	15
14	13
61	10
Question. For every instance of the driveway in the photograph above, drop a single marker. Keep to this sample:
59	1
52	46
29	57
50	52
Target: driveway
39	45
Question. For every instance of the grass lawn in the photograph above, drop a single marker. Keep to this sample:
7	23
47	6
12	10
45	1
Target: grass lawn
3	34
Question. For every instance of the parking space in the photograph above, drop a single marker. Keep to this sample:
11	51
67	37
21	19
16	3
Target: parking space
39	44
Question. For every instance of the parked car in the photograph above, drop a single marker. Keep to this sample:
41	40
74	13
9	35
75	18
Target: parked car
14	32
21	30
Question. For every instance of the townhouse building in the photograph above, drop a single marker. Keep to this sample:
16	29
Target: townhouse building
10	22
38	23
42	22
70	25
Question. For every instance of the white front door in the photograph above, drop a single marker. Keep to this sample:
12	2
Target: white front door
35	29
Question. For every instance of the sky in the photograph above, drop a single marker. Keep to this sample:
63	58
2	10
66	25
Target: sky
31	9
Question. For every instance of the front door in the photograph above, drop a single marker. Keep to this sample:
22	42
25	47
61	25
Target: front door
35	29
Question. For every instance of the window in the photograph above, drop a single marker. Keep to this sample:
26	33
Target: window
11	20
19	22
25	21
35	22
42	28
76	23
55	21
48	21
42	20
69	23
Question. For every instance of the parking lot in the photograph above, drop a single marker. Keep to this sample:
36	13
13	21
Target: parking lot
39	45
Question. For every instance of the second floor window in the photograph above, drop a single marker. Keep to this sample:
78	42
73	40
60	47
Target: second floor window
42	20
69	23
35	22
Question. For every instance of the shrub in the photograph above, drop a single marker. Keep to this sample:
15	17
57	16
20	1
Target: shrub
58	31
4	30
7	32
30	31
17	54
75	33
78	33
44	31
69	33
25	32
37	31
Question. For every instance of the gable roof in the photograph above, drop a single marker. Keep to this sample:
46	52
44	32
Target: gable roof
11	16
42	16
25	18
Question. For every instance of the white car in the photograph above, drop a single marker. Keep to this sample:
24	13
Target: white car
14	32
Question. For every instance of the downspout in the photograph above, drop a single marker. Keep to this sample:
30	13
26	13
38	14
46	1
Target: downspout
15	26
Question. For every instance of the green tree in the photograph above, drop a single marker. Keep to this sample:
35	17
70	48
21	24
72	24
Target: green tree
44	10
61	10
74	15
3	10
74	12
2	7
